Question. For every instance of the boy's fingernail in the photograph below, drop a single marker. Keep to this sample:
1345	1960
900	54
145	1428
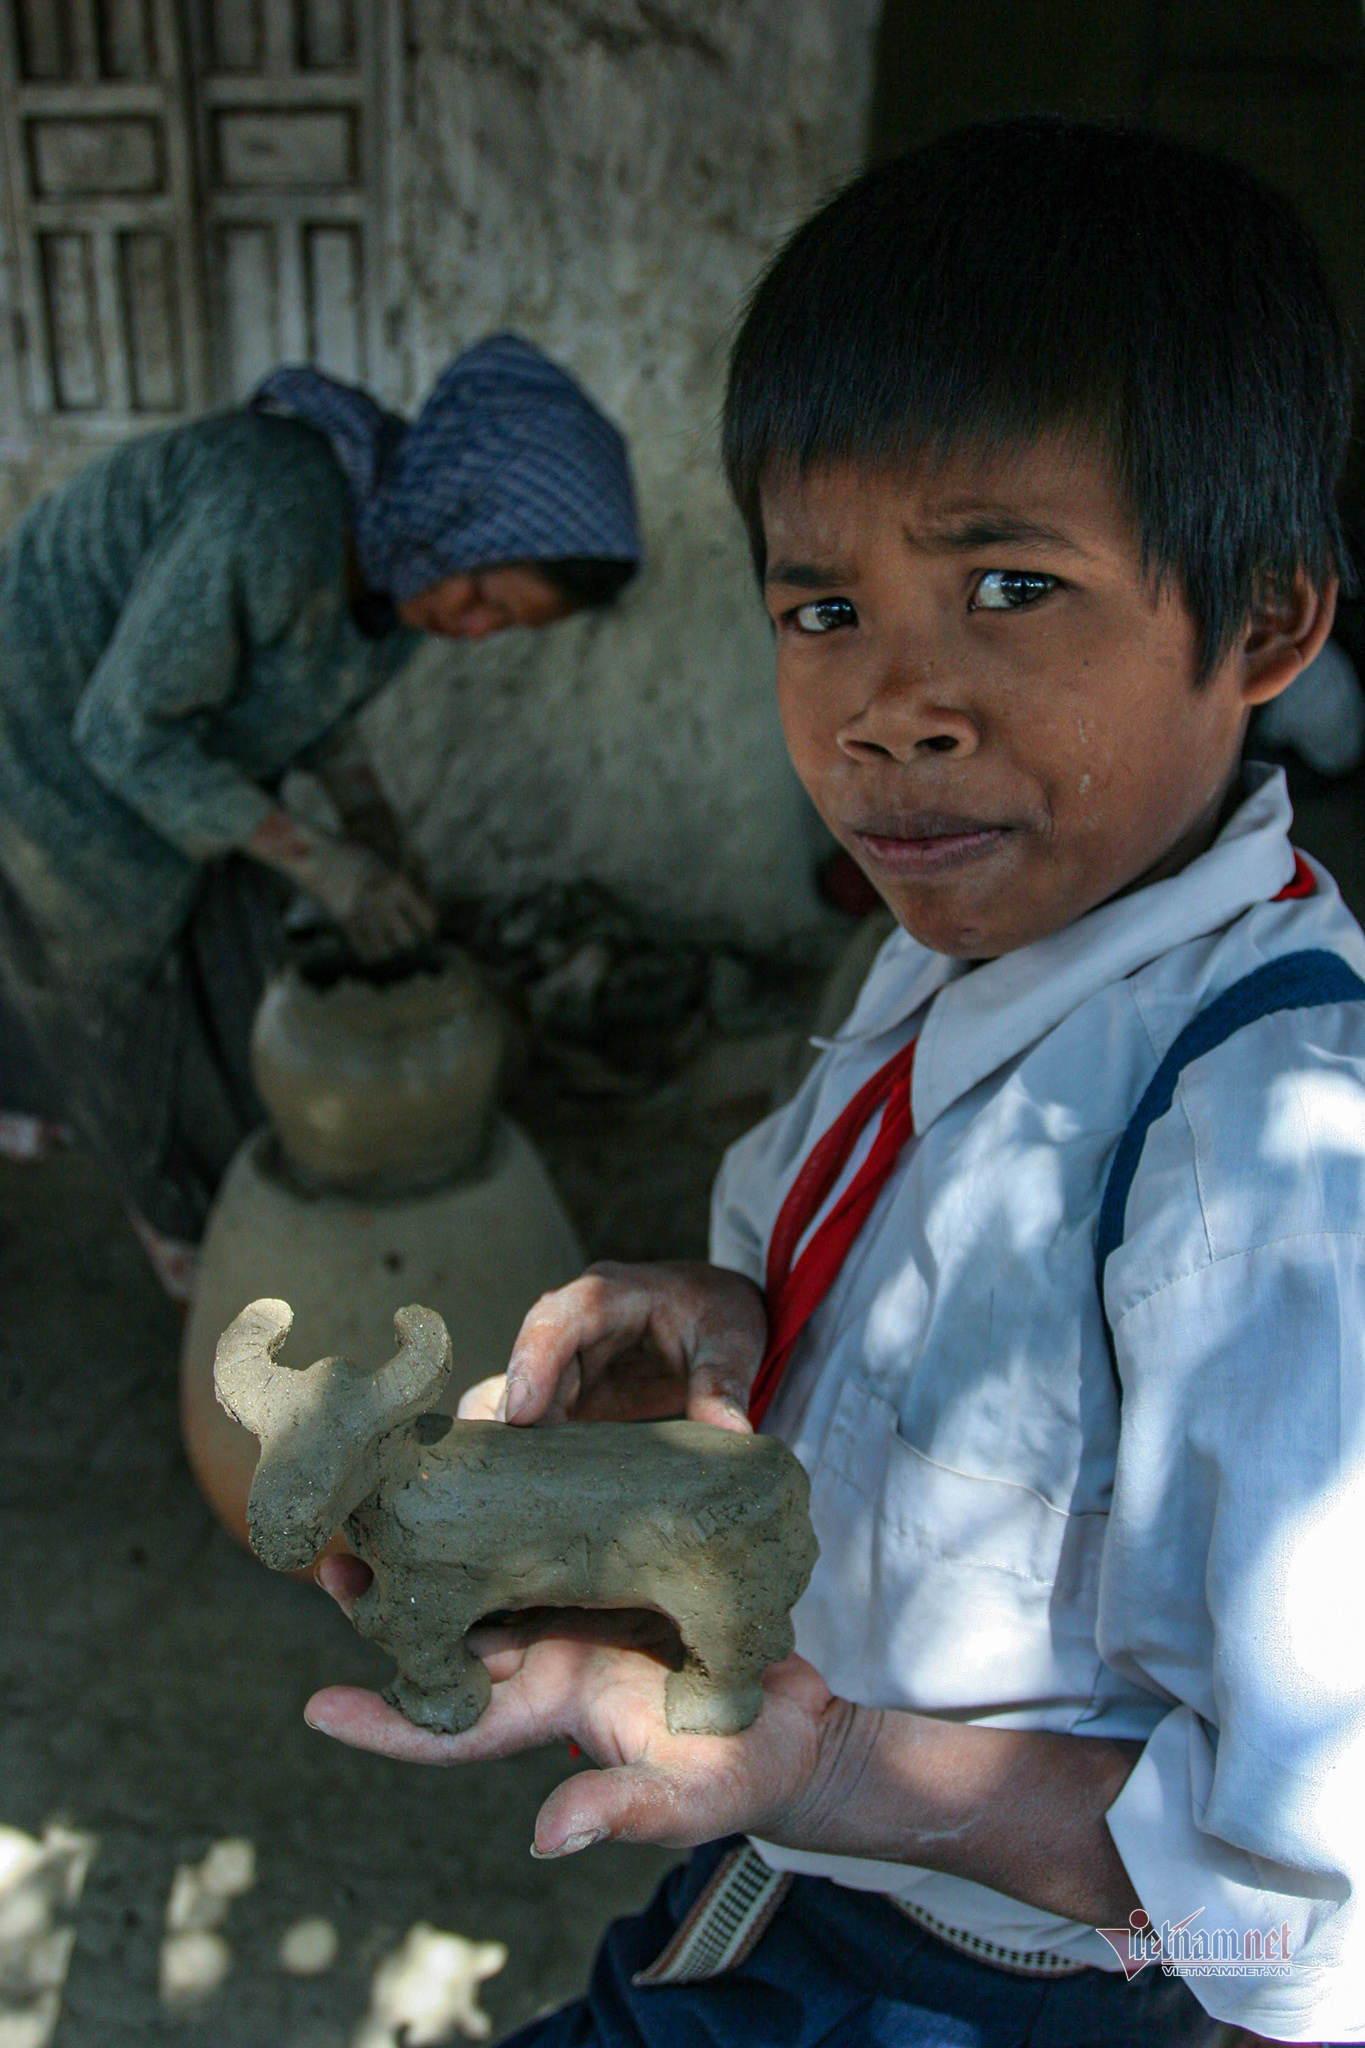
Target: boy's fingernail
571	1844
513	1400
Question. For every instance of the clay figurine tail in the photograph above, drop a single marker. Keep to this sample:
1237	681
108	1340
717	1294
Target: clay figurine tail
320	1426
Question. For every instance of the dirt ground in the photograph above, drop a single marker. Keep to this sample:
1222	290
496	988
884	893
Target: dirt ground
152	1676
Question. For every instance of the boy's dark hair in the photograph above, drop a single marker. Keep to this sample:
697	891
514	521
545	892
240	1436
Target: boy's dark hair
588	580
1038	273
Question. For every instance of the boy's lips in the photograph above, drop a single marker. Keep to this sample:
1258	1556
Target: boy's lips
929	843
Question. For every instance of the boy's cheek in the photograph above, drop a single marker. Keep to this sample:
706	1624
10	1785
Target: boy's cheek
809	726
816	758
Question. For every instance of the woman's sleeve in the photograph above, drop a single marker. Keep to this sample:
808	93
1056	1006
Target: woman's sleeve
175	658
1232	1582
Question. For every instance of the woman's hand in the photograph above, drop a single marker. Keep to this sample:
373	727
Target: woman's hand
597	1680
380	910
390	914
625	1343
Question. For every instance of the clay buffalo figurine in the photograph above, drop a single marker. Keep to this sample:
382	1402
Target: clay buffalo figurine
463	1519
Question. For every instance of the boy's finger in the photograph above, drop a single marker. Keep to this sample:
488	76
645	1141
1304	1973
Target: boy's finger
509	1724
364	1721
489	1639
719	1395
483	1403
642	1629
633	1803
501	1660
586	1313
345	1577
522	1714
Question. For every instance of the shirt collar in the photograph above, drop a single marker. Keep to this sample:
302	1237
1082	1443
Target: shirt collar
978	1019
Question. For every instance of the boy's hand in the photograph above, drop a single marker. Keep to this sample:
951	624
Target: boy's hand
598	1680
1018	1810
625	1343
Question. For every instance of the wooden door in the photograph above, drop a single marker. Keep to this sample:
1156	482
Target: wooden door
99	168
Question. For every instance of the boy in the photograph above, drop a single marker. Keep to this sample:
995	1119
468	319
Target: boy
1036	433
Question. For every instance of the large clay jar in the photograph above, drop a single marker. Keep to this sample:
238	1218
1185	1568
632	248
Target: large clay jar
376	1082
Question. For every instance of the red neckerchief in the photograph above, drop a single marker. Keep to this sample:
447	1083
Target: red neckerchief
795	1292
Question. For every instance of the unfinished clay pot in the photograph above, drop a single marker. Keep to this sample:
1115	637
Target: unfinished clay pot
464	1519
379	1080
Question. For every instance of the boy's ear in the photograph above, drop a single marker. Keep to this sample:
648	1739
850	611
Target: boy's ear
1286	630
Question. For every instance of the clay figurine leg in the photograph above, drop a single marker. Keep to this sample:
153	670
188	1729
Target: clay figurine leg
719	1689
702	1702
438	1684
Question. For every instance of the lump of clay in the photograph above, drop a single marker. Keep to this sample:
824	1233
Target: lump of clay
465	1519
383	1079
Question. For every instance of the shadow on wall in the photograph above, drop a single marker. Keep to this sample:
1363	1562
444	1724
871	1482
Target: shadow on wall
1279	89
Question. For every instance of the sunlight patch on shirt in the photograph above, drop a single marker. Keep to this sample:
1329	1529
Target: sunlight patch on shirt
1305	1112
1323	1598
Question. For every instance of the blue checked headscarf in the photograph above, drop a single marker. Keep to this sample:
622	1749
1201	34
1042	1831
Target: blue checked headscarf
509	460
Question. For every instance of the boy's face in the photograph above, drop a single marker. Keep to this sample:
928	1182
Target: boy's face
987	701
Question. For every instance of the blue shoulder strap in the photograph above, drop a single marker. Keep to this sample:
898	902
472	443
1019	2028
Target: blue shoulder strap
1296	981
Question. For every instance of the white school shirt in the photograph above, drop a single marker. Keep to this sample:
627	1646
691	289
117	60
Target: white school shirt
991	1548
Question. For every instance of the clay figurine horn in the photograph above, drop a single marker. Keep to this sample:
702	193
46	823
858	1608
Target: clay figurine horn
320	1426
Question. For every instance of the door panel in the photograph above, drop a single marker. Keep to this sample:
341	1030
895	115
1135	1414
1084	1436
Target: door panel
335	301
248	276
127	37
151	315
282	151
44	46
73	327
328	35
234	35
91	159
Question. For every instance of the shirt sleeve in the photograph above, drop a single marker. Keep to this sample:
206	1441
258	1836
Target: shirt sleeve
1231	1584
754	1176
738	1237
176	657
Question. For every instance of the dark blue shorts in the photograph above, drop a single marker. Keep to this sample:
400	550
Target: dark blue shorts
842	1969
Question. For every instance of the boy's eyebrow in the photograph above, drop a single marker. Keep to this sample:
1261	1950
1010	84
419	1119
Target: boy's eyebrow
807	575
992	529
954	534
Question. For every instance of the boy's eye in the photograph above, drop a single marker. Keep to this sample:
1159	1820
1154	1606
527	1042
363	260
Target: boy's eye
1009	590
826	615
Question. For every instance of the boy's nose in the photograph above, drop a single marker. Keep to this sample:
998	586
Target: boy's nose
902	722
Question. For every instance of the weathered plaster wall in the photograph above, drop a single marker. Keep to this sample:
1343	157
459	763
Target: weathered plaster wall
608	176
